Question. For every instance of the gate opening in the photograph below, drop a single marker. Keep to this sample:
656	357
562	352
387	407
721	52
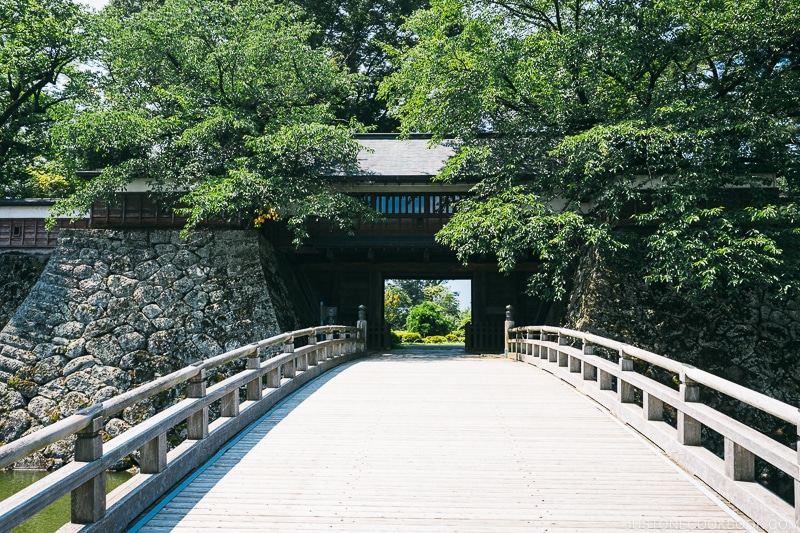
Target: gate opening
427	311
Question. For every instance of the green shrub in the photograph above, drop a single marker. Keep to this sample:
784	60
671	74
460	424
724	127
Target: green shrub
435	339
394	338
409	337
429	319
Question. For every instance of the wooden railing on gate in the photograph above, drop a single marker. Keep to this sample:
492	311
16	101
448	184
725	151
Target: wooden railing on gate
571	356
263	383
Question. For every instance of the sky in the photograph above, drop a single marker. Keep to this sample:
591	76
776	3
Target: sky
97	4
464	289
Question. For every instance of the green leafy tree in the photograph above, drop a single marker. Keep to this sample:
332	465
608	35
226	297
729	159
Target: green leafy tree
441	295
42	44
429	319
358	31
400	295
579	117
224	101
396	305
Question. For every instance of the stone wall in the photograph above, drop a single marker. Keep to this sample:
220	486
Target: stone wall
18	274
746	337
114	309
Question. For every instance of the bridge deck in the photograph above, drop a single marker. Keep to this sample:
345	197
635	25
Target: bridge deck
437	442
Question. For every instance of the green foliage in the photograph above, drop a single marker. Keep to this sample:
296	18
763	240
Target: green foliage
435	339
396	304
429	319
394	339
41	45
358	32
575	114
408	337
223	101
400	295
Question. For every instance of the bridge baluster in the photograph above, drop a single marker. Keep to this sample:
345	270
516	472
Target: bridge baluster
289	366
740	463
589	370
274	378
153	455
197	424
689	429
797	482
301	363
562	356
329	348
653	407
88	501
625	390
312	355
254	389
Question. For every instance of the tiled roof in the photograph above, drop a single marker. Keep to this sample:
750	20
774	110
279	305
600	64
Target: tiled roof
407	157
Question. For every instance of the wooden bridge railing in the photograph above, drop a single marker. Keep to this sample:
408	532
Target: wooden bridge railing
262	384
575	357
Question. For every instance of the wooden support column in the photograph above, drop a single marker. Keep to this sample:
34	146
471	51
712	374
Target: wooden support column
689	429
589	370
625	390
153	455
88	501
254	389
197	424
289	366
740	463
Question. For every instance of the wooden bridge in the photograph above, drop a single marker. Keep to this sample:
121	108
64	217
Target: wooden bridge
321	437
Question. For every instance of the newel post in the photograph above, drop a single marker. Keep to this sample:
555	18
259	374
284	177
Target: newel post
361	325
508	325
88	502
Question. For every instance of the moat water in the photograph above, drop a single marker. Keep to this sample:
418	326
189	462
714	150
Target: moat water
55	515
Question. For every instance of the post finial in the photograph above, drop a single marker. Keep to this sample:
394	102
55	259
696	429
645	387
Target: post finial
510	313
362	312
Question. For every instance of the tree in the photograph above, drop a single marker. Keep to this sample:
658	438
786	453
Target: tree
429	319
396	305
401	295
42	44
574	116
223	101
358	31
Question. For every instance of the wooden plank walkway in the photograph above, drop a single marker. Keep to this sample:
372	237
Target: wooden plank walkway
440	442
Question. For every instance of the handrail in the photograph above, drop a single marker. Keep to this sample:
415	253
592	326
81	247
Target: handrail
328	346
570	355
